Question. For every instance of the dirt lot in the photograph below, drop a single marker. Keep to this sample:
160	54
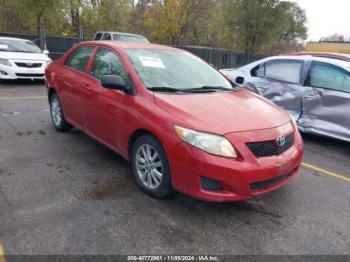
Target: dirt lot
67	194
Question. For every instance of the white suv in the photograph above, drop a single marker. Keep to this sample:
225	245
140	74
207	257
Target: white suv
21	59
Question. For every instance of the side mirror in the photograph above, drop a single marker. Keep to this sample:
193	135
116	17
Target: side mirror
239	80
114	82
46	52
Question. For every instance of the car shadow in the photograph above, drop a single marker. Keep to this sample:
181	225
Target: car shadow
327	142
22	82
123	185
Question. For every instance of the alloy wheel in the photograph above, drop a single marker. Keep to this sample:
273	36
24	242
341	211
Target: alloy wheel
56	112
149	166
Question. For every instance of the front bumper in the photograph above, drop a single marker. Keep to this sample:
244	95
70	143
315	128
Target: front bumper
15	72
240	179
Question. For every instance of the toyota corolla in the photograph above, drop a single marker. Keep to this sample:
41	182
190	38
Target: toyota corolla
181	124
21	59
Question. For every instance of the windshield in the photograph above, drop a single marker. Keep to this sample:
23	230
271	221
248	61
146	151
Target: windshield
174	69
132	38
13	45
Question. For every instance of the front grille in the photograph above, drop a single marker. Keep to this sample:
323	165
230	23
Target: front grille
210	184
28	65
270	148
30	75
267	183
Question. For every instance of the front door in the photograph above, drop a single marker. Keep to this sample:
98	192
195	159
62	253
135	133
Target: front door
280	81
106	108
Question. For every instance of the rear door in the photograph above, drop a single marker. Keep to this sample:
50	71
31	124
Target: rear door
279	80
71	80
327	101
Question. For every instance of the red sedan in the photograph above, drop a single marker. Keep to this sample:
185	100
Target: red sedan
181	124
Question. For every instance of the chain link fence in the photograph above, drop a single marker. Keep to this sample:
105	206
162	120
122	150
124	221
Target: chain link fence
220	58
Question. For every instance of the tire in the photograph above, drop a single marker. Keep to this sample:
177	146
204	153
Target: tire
57	116
152	176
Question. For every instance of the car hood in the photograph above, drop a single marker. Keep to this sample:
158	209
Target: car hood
24	56
223	112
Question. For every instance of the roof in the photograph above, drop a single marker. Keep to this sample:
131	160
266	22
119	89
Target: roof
339	56
340	63
132	45
13	38
119	33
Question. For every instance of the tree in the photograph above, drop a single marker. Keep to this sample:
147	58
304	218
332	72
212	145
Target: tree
11	20
174	21
251	26
259	25
33	12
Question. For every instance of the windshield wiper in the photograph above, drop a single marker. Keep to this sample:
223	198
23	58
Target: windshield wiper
165	89
202	89
208	89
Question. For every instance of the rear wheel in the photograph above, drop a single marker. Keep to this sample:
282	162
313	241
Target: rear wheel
150	166
57	116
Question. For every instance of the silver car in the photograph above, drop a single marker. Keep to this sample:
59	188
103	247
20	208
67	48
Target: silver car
314	90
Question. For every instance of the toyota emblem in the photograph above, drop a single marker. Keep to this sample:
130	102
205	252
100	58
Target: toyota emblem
29	64
281	140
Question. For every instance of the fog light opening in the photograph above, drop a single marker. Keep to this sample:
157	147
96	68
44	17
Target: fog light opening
210	184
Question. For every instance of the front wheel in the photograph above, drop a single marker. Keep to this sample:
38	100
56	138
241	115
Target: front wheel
57	116
150	166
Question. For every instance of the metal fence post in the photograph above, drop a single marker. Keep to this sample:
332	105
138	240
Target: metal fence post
81	33
42	35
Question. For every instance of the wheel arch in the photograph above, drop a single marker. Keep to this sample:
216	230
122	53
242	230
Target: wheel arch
135	135
50	92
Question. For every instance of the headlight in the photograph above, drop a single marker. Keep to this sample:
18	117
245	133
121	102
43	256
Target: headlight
47	63
5	62
214	144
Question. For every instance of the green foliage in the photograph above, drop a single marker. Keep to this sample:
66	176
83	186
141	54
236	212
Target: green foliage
263	25
256	26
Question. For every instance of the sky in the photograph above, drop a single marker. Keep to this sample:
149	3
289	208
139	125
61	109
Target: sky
326	17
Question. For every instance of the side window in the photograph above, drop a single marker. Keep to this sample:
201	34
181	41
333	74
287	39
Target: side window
106	36
328	76
258	71
284	70
107	63
98	36
79	58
